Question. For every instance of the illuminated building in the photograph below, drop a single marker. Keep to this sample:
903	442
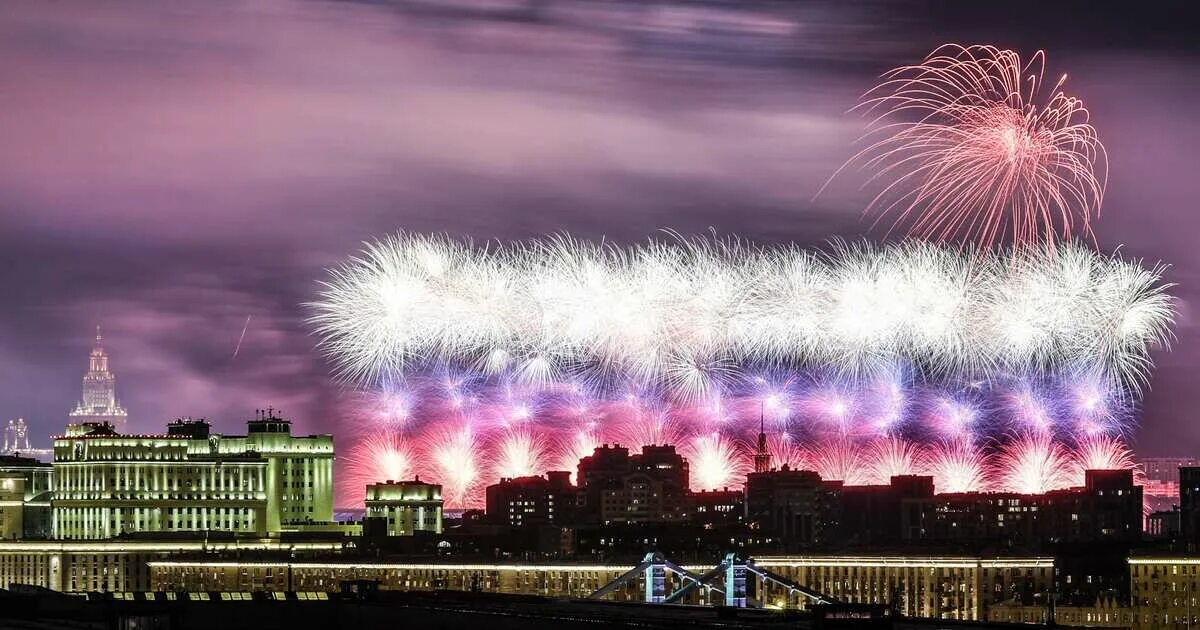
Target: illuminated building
191	479
532	501
1166	591
36	480
108	484
99	401
120	565
406	506
926	586
616	487
299	469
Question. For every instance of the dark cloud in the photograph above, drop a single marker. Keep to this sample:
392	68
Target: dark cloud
167	170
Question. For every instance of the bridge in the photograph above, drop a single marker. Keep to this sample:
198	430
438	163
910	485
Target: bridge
731	573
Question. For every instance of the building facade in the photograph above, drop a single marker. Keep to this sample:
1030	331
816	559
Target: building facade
108	484
406	507
948	588
1166	591
37	482
98	404
117	566
190	479
531	501
617	487
299	472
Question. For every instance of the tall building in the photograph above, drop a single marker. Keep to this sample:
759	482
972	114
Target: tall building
108	484
99	401
762	457
616	487
790	505
299	468
406	506
1161	484
190	479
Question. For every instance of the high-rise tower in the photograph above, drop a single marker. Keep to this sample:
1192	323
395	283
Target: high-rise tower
762	456
99	401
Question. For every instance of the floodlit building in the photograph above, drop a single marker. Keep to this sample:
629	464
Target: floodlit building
1166	591
98	404
406	506
116	566
37	483
299	469
923	586
190	479
108	484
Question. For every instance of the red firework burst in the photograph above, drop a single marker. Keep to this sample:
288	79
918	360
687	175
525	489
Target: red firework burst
969	144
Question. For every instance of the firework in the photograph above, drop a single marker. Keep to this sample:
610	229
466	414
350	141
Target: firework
842	460
688	317
377	457
973	143
1102	452
1033	463
520	454
714	462
958	466
453	451
893	457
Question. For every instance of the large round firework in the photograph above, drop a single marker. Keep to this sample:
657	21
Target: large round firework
974	144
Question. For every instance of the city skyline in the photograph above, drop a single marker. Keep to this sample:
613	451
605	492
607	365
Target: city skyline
178	310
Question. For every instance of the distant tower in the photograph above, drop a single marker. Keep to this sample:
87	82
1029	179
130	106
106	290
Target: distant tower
99	402
762	457
16	437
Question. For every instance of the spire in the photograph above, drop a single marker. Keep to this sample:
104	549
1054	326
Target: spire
99	337
762	457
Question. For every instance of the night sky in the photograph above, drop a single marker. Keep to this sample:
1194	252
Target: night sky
169	169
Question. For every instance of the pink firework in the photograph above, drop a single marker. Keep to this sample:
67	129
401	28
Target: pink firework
840	460
785	450
714	462
891	457
578	446
453	453
378	457
520	454
958	466
641	427
1033	463
974	146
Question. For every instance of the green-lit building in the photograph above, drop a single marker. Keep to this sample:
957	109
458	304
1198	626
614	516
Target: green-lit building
189	479
406	506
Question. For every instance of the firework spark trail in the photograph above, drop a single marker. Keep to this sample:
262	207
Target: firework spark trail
1034	463
470	431
970	144
714	461
242	337
958	466
377	457
891	457
841	459
689	316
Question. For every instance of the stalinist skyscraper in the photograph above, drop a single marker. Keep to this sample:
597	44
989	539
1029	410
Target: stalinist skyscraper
99	402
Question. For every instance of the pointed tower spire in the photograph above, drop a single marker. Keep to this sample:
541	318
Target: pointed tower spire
762	457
